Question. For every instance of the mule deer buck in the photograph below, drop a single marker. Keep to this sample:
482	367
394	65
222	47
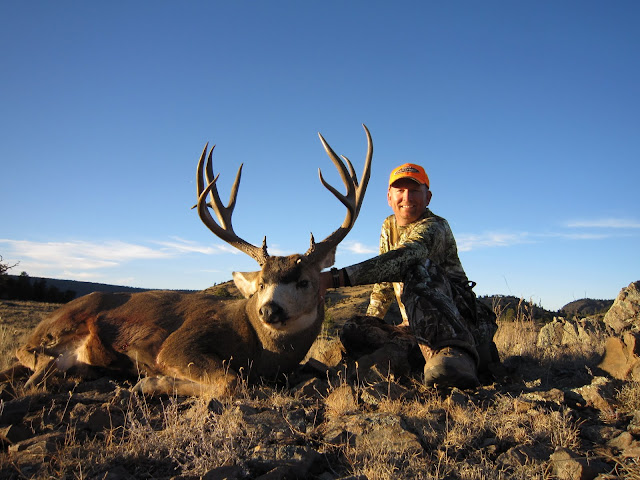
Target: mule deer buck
196	343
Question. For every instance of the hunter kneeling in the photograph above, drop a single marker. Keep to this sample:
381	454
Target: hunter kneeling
419	266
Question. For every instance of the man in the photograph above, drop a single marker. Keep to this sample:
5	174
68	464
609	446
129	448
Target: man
419	262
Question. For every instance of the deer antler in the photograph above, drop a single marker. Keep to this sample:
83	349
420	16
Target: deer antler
352	200
225	229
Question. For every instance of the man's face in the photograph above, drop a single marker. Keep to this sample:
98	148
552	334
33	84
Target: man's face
408	200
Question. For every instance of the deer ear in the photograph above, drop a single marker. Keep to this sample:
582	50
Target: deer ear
329	259
247	282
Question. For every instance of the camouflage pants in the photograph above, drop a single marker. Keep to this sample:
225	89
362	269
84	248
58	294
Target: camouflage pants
443	313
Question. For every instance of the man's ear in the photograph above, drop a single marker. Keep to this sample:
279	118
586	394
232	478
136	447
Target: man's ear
429	194
247	282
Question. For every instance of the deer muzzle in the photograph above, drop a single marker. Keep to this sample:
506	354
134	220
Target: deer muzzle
272	313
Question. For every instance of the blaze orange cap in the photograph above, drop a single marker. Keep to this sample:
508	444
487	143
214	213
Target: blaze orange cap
409	170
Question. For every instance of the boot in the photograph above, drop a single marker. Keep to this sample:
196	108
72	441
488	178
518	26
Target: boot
451	367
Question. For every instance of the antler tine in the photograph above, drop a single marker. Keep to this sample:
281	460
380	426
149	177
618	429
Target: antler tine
352	200
200	169
345	199
359	192
202	172
225	230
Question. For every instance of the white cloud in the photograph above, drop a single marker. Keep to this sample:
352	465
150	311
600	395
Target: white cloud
89	276
180	245
605	223
580	236
79	254
468	242
358	248
88	260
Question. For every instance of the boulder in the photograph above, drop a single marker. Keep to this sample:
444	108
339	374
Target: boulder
327	351
600	394
567	465
586	332
622	352
622	357
372	433
516	457
624	314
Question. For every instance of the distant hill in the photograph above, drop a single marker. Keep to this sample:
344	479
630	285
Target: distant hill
514	307
84	288
579	308
80	288
586	307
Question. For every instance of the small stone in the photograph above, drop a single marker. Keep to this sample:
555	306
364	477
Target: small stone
567	465
622	441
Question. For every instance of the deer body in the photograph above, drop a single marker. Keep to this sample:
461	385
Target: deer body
196	343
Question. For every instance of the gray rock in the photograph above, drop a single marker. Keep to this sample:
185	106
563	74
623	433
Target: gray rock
516	457
42	444
624	314
587	332
622	357
566	465
600	394
231	472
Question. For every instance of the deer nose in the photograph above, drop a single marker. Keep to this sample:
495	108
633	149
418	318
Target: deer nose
271	312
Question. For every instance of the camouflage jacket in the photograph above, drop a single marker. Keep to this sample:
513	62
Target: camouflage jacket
430	237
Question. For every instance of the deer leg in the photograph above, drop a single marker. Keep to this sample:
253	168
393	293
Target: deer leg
205	376
80	358
42	365
45	369
222	387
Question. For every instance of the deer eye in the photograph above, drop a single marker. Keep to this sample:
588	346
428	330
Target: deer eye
302	284
261	286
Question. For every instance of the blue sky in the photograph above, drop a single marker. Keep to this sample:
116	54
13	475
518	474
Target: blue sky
524	114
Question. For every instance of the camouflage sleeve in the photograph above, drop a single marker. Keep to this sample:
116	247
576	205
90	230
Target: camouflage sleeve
384	269
388	267
428	239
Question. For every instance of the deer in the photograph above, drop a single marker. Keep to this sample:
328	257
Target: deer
194	343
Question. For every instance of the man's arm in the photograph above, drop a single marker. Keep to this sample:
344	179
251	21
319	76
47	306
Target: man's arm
387	267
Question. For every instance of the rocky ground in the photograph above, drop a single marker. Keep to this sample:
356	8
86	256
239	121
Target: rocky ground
549	410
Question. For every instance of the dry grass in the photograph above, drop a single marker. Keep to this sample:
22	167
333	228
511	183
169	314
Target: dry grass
190	440
517	337
444	436
196	439
458	440
629	397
